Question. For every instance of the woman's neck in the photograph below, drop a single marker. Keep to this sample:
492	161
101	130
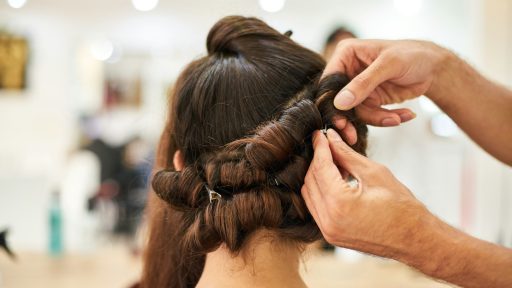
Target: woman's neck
264	262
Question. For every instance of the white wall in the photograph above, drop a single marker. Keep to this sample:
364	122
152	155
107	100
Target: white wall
37	128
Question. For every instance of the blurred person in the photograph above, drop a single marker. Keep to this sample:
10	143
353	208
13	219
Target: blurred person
234	155
381	216
337	35
121	197
131	195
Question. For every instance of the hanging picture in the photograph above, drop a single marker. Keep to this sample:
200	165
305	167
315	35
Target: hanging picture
13	61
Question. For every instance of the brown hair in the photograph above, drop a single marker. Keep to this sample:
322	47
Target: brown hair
242	117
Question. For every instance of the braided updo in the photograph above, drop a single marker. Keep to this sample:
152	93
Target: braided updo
242	118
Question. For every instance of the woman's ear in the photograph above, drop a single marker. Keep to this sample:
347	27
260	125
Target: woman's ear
178	161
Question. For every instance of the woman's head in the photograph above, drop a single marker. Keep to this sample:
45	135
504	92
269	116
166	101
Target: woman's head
242	119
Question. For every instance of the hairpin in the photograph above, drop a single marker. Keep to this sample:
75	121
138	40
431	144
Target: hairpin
324	130
288	33
212	195
276	181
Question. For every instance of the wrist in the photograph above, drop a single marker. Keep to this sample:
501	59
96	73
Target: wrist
429	253
445	73
410	246
436	248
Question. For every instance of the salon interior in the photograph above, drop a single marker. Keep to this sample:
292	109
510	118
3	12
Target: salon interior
83	101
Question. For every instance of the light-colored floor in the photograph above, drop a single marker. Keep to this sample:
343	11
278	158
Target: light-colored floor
113	267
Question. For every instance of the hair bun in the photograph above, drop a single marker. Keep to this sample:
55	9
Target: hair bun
227	35
181	189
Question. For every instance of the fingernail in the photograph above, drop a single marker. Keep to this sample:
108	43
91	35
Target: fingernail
344	99
333	135
390	122
406	116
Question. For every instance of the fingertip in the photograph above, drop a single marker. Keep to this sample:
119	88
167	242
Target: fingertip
339	122
318	136
332	135
391	120
350	133
345	100
407	116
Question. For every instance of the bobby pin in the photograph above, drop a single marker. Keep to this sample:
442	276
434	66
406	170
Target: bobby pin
324	130
212	195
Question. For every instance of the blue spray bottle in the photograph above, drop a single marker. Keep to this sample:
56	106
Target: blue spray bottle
55	222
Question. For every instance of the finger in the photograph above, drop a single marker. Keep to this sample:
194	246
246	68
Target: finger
381	117
311	192
377	116
321	147
312	203
405	114
324	171
373	100
339	122
350	133
347	129
350	160
363	84
343	55
311	196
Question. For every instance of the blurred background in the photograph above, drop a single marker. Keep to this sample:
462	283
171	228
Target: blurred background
83	87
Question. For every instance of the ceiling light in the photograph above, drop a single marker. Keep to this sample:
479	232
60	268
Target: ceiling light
16	3
272	5
144	5
408	7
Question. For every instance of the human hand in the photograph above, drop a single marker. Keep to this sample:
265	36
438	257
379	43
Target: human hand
376	217
380	216
384	72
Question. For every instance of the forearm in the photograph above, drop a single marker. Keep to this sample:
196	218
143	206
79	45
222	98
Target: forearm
480	107
448	254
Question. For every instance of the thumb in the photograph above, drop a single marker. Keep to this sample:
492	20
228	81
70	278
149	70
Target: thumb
345	156
364	84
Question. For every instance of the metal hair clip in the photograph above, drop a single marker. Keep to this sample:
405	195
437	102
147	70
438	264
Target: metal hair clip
212	195
276	181
324	130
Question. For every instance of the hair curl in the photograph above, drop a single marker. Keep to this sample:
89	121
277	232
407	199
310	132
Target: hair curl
243	118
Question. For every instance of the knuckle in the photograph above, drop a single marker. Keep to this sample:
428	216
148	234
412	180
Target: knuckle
317	166
376	169
328	238
330	232
304	189
342	45
391	57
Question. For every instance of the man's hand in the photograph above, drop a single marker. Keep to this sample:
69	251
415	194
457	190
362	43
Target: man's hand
377	216
384	72
380	216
